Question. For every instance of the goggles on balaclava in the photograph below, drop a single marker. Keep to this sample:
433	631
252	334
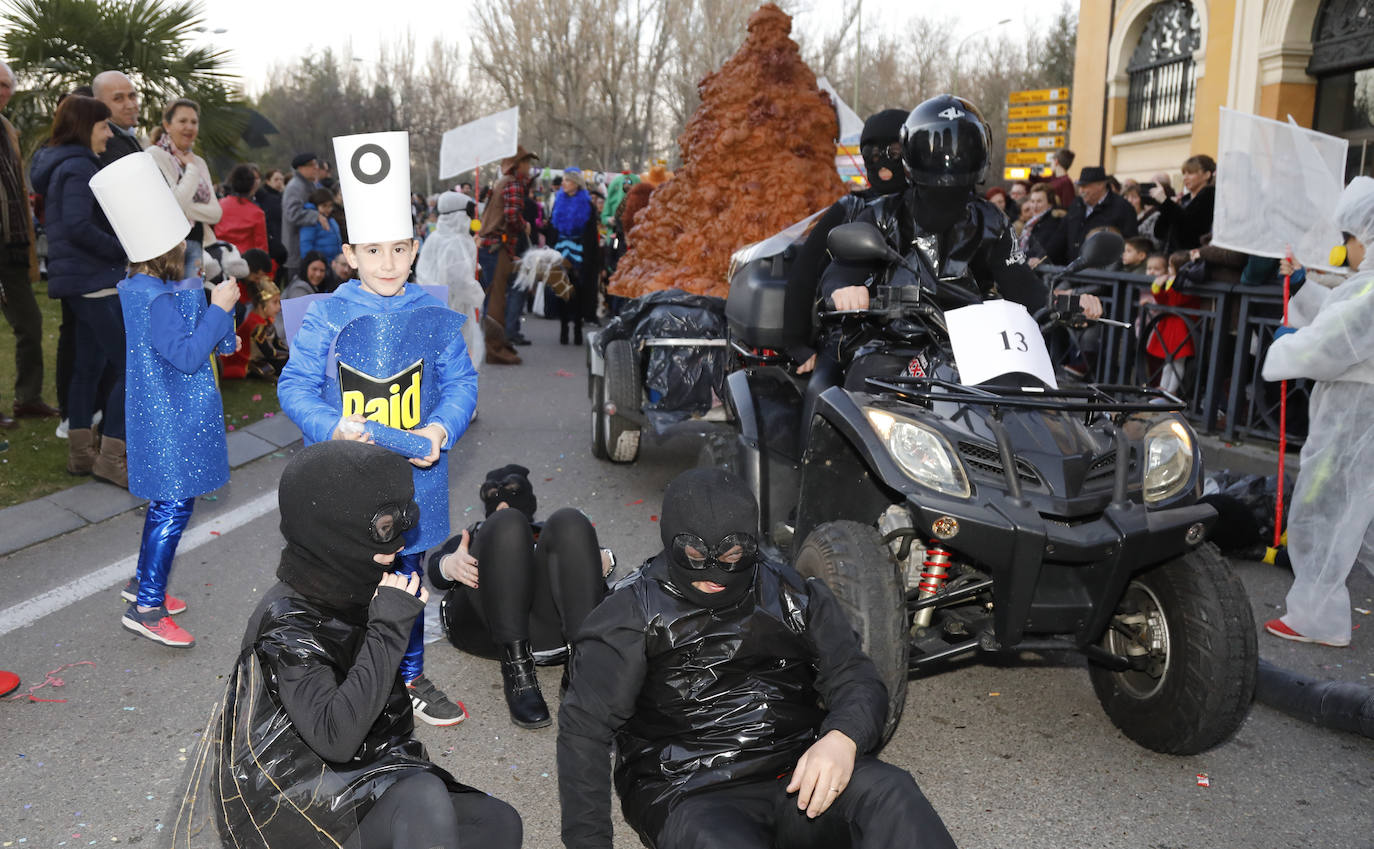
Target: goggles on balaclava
341	503
708	525
510	484
881	147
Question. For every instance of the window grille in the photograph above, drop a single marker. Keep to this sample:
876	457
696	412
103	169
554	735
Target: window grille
1163	85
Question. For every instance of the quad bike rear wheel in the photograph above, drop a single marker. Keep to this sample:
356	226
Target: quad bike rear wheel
852	560
597	390
1189	625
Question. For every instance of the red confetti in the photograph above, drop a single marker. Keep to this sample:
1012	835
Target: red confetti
1203	780
546	480
257	397
563	373
636	501
231	427
653	518
214	533
49	680
268	415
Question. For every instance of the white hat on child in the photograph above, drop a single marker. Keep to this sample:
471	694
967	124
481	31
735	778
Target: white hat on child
140	206
374	174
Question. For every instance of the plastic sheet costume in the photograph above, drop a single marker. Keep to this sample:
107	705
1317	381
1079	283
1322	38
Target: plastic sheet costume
315	725
711	696
449	258
1332	520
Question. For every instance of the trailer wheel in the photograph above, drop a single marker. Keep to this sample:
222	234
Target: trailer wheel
1189	621
597	389
852	560
623	390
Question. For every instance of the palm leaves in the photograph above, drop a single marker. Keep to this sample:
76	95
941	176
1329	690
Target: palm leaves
56	45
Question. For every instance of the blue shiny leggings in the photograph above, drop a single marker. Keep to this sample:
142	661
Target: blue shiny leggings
161	533
413	662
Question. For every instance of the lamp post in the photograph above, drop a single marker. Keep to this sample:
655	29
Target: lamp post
965	40
858	50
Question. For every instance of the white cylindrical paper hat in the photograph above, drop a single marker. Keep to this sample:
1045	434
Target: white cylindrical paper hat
374	174
140	205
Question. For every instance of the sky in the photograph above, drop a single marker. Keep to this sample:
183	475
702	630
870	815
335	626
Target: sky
261	33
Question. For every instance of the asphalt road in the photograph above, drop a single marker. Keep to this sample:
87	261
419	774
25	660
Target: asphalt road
1010	756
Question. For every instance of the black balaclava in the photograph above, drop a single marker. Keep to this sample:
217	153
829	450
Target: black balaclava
510	484
329	494
710	503
939	208
881	130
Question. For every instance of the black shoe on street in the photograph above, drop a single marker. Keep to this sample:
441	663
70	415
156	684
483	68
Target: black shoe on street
527	706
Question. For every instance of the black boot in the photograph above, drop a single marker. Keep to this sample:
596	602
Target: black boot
563	334
526	703
577	335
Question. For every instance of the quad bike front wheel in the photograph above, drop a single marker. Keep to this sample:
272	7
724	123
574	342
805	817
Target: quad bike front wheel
852	560
1188	627
597	391
621	434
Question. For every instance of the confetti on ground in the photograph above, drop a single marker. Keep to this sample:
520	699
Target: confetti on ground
231	427
214	533
257	397
1203	780
210	498
268	415
546	480
278	454
245	418
1362	610
636	501
49	680
653	518
994	694
130	708
563	373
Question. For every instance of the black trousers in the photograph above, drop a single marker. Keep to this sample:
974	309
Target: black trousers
881	808
419	812
549	587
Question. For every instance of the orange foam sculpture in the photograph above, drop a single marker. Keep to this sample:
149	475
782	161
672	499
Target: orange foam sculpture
757	156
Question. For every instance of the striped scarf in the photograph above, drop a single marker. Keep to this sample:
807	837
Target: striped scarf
204	193
14	198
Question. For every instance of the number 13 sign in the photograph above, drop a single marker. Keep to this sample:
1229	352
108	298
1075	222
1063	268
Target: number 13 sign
996	338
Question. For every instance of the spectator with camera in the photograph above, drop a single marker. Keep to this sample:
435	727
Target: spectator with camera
1183	222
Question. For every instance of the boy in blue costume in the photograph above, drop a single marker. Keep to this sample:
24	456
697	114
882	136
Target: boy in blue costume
382	351
175	421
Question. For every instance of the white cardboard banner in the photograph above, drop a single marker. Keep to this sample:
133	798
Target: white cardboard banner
996	338
476	143
1277	185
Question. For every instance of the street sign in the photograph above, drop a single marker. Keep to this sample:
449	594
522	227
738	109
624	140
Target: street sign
1017	127
1041	158
1051	110
1025	172
1034	142
1039	95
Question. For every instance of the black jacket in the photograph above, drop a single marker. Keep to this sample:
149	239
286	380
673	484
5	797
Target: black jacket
119	146
697	698
1113	211
1184	222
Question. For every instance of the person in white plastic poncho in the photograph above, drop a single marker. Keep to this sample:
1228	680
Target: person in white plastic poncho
449	258
1332	520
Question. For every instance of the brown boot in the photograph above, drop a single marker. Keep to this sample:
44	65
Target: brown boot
111	466
498	348
81	451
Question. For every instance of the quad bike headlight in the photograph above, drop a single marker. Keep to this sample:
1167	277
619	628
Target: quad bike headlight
1168	460
921	451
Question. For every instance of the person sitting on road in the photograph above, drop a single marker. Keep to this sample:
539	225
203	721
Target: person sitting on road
742	708
519	589
314	740
1331	342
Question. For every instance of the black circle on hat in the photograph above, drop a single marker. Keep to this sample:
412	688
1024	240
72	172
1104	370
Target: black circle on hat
355	164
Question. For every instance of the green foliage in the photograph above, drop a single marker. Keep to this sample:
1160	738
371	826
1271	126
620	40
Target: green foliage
1057	52
56	45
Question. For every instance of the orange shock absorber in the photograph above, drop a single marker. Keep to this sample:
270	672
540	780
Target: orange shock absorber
934	573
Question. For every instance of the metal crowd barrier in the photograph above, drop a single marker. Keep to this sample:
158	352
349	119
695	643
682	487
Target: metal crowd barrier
1230	329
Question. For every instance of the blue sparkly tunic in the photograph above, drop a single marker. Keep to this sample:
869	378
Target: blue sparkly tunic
405	335
175	420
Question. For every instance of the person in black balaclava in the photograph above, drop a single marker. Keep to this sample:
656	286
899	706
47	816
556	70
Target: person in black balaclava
742	709
313	743
518	589
881	149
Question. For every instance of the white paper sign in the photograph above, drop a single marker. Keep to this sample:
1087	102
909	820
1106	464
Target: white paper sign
996	338
478	142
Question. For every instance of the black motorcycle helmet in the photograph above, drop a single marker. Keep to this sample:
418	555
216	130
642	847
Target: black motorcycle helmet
945	142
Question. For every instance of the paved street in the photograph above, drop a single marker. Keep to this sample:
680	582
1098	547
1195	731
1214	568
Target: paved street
1011	757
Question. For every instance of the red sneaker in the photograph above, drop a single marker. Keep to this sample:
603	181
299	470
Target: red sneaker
156	625
173	604
1279	628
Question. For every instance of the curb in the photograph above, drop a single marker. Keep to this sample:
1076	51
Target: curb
73	508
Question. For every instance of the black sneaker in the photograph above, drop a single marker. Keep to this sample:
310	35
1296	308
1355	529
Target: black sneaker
432	705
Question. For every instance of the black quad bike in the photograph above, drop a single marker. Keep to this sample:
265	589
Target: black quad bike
954	521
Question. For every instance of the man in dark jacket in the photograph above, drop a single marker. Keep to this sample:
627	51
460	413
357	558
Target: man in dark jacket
742	708
1096	206
294	215
116	91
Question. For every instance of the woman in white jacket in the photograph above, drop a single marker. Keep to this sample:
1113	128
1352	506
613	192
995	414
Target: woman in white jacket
1332	520
188	175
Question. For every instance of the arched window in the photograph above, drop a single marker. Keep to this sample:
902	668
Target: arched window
1163	84
1343	63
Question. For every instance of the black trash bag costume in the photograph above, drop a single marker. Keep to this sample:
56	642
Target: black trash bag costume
714	692
320	642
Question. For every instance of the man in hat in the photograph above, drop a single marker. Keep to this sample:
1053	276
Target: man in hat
504	237
743	710
294	215
1096	206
